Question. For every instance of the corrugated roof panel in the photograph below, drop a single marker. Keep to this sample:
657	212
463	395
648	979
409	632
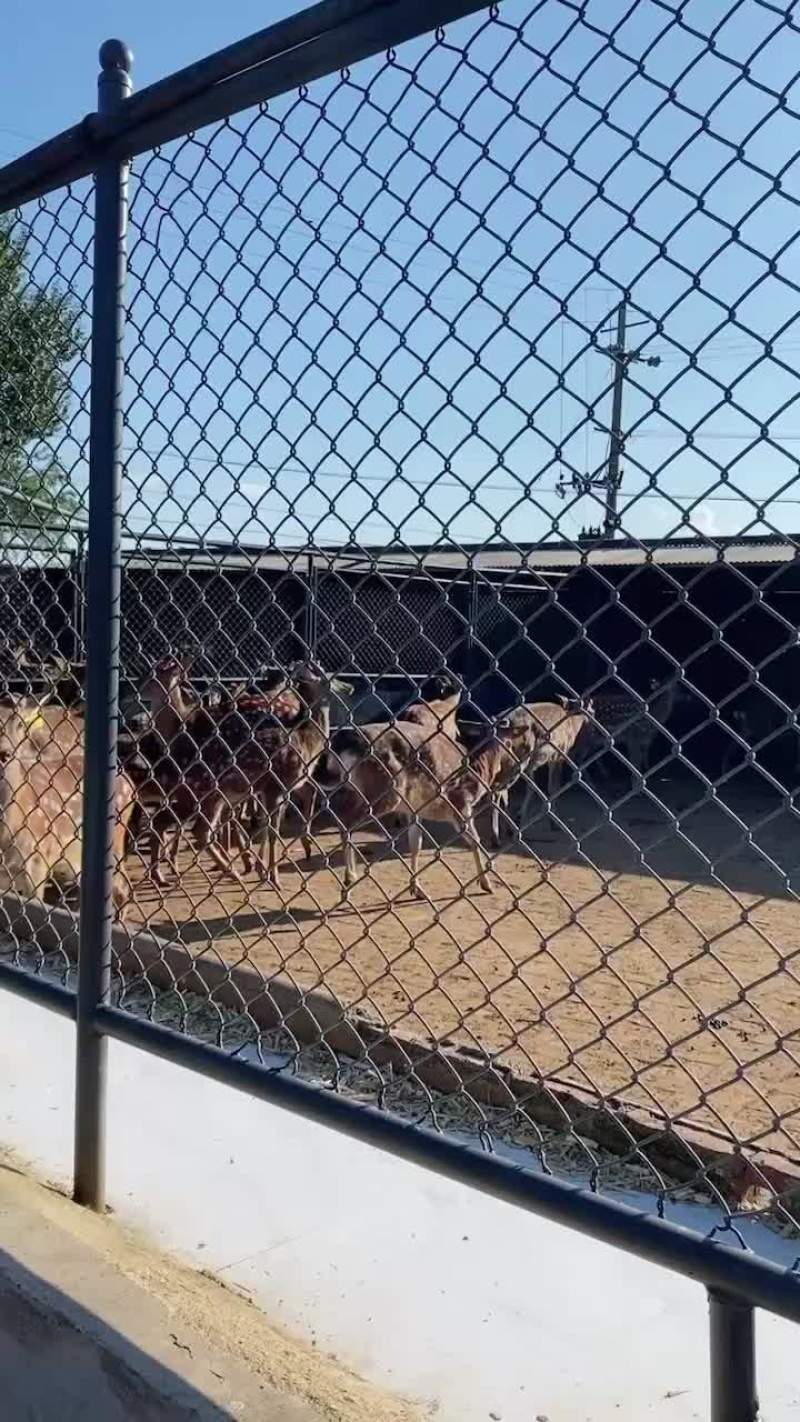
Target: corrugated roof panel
546	560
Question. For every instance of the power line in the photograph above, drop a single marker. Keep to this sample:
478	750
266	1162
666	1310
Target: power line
151	529
521	489
745	437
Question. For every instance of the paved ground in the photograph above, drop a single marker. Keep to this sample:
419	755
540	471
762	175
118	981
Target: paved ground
94	1325
656	959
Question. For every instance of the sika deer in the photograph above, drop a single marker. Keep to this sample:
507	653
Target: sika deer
634	728
187	738
171	705
377	770
545	734
271	766
41	802
640	735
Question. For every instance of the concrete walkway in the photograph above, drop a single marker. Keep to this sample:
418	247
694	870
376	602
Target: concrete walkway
93	1324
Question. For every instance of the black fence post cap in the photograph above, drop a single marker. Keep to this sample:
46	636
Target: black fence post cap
115	54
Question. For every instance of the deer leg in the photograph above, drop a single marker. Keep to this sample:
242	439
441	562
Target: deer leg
553	785
635	750
275	843
499	801
256	822
250	811
350	868
235	833
133	827
528	792
122	895
224	861
161	822
262	816
306	804
211	811
172	856
306	799
123	891
272	850
239	838
479	854
262	849
414	845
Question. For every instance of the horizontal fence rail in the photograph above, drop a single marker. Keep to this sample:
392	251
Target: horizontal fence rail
295	51
399	605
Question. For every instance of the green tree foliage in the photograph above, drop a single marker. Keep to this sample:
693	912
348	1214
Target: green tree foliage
40	337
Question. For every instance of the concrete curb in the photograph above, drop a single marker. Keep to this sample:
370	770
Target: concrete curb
314	1016
80	1339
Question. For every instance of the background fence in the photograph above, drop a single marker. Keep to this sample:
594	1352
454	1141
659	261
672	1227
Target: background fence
455	337
526	631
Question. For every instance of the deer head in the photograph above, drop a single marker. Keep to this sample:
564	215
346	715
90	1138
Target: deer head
315	686
440	687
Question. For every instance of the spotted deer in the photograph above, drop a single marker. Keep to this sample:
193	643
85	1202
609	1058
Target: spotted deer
271	766
634	728
416	771
545	735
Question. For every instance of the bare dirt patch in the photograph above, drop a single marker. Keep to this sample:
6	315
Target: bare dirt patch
654	962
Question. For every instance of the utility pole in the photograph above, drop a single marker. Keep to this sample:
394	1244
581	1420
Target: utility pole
614	476
611	478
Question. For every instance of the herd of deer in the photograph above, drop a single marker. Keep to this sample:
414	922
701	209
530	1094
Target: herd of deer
264	751
228	767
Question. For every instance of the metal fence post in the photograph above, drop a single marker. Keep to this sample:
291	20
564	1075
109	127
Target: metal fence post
733	1358
102	636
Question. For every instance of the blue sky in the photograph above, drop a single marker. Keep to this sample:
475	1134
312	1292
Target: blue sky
346	319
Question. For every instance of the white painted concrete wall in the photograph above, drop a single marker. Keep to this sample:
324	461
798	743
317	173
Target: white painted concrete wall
425	1287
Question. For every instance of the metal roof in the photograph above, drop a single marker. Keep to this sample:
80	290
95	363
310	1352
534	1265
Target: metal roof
387	562
541	562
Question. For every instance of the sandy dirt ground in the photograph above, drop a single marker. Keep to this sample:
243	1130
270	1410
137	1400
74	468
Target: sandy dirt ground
656	958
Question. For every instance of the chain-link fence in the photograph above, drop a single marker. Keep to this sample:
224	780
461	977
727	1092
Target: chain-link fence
449	510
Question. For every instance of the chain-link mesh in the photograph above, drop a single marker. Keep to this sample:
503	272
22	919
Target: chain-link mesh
475	361
45	293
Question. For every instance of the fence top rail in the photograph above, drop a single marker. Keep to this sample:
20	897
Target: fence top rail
296	50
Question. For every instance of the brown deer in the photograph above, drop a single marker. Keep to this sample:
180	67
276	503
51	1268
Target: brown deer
186	736
545	735
440	698
271	766
634	728
409	769
41	802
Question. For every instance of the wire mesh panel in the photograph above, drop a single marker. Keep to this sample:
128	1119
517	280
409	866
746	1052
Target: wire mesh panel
470	365
45	288
520	278
383	623
230	623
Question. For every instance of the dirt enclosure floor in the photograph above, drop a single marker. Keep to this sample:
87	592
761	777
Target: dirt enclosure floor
657	959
